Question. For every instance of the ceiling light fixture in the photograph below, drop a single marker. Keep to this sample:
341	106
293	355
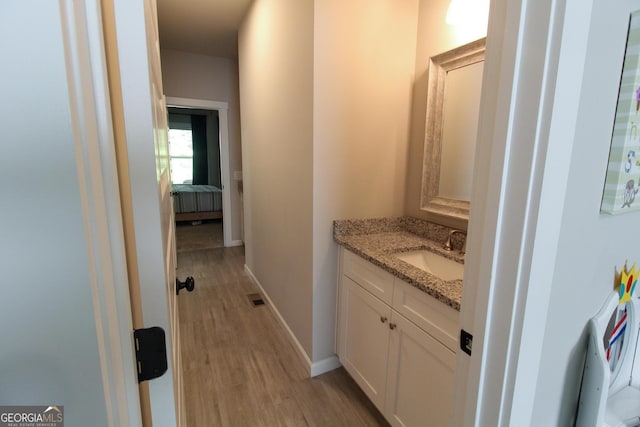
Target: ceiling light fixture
469	16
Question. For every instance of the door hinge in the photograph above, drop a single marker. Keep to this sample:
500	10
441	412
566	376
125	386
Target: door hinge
151	352
466	341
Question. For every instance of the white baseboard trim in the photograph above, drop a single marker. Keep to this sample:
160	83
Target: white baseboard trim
235	243
325	365
294	340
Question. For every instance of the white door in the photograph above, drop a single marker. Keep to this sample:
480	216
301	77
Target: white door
514	118
163	186
65	302
145	124
520	184
66	315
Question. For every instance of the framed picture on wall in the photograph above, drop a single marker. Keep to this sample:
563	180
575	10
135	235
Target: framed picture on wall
622	181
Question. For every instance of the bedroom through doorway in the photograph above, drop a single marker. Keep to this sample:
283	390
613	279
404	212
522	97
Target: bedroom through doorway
198	150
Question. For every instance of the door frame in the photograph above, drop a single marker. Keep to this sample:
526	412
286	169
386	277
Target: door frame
89	95
503	210
225	170
519	179
135	41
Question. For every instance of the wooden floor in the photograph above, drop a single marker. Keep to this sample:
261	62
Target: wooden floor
202	235
239	366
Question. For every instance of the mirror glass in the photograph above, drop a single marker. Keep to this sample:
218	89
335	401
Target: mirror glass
460	125
453	108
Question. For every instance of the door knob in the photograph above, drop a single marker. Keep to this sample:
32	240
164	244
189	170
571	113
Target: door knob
189	284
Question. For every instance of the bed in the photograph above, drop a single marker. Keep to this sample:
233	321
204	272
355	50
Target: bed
197	202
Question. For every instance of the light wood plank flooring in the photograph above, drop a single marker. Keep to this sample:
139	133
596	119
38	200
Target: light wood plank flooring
206	235
239	366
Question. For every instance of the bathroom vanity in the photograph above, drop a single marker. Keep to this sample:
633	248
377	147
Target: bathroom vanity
397	322
400	279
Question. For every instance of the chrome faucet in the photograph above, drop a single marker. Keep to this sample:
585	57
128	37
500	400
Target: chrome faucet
449	247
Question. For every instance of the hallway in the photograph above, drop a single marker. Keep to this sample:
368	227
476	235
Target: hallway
239	366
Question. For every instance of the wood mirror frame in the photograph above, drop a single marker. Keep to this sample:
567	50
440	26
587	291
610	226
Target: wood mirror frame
439	66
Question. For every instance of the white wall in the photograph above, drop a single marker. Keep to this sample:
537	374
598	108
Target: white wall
548	256
363	73
325	92
591	246
276	79
49	353
188	75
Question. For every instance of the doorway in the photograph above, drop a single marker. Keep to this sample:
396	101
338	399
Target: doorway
225	175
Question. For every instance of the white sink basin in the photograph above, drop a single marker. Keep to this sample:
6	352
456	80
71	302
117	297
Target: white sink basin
432	263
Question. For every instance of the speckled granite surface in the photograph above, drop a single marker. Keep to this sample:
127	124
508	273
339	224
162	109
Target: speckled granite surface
377	239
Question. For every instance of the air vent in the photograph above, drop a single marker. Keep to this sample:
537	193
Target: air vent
256	299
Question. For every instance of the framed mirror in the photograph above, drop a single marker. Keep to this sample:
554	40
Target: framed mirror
453	108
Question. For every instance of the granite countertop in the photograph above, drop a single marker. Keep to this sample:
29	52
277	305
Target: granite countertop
377	239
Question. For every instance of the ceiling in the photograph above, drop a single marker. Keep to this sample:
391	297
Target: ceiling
208	27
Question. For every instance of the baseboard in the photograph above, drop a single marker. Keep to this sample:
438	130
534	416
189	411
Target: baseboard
235	243
325	365
296	344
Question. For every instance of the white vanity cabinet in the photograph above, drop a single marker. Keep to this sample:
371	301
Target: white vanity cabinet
419	377
365	339
397	342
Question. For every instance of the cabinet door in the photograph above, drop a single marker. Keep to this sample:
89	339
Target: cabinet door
419	378
364	339
432	316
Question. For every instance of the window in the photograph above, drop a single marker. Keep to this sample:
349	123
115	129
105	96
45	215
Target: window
189	160
181	156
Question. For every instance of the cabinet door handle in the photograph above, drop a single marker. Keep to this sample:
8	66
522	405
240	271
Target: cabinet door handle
392	326
383	319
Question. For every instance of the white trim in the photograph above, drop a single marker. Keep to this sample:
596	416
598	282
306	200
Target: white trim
563	73
518	189
325	365
296	344
97	177
204	104
482	230
139	67
222	108
236	243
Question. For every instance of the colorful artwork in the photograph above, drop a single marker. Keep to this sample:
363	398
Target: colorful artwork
628	282
616	337
622	181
